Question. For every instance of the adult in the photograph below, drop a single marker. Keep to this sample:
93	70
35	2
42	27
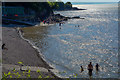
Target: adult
3	46
90	68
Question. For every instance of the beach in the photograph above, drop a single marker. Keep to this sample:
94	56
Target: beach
66	44
19	50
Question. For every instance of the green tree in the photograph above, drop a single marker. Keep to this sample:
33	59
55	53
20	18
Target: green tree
68	5
60	5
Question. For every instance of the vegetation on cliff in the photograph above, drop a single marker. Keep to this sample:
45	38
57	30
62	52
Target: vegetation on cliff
60	5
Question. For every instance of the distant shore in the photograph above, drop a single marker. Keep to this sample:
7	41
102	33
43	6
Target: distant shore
52	19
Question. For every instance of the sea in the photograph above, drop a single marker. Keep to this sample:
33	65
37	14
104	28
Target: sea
79	41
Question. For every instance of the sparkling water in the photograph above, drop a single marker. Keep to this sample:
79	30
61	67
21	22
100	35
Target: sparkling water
80	41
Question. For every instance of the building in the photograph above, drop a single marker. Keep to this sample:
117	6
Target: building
17	13
12	11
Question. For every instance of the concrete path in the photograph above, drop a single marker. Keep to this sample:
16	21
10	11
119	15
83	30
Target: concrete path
17	67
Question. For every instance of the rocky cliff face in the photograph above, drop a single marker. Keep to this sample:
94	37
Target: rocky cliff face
43	11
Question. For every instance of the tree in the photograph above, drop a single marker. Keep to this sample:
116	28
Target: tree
68	5
60	5
53	5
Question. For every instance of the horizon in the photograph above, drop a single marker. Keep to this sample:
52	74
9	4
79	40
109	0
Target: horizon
93	2
90	1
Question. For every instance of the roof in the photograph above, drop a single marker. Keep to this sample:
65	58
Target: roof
12	7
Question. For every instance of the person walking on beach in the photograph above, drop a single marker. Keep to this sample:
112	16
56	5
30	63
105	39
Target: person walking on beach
97	67
90	69
81	69
3	46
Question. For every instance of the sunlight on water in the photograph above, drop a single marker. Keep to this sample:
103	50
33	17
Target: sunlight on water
80	41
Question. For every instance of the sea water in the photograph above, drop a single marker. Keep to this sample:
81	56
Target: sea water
80	41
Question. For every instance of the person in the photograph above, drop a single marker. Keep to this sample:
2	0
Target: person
59	24
82	69
44	21
3	46
90	68
97	67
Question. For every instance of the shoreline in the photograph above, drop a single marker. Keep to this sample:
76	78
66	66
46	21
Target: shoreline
38	52
8	54
52	19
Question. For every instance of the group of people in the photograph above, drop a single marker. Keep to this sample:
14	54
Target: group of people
77	26
49	20
90	68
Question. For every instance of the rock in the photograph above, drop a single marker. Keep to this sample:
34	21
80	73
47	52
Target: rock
68	17
75	8
65	19
76	17
82	18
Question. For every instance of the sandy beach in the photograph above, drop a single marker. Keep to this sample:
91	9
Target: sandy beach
19	50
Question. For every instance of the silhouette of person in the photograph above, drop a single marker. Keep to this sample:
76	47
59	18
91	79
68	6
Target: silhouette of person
81	69
90	69
59	24
97	67
3	46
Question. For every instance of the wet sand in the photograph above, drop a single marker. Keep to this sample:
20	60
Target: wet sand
19	50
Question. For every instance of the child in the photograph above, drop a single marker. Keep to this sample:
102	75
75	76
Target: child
97	67
82	69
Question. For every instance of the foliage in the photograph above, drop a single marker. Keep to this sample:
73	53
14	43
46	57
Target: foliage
68	5
20	63
53	5
60	5
24	73
18	75
27	74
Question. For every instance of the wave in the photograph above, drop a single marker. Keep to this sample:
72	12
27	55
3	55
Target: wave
55	71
